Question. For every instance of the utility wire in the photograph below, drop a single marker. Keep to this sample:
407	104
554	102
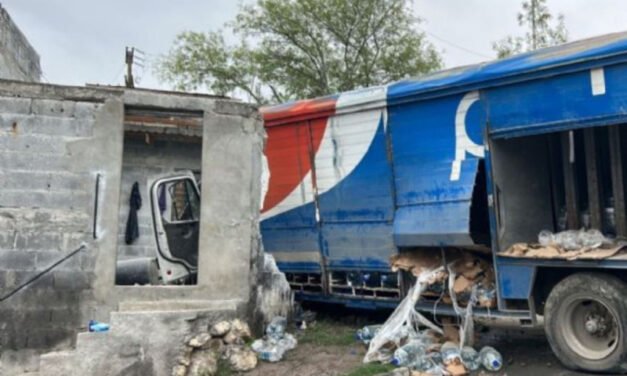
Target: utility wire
48	269
117	76
455	45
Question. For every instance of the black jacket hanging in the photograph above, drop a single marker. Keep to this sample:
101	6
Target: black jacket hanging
132	225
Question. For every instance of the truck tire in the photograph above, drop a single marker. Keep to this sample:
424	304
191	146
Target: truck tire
586	322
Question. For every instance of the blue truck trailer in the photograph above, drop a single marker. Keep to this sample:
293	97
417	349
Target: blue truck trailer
478	158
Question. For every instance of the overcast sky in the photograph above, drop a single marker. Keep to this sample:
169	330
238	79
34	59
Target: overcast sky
82	41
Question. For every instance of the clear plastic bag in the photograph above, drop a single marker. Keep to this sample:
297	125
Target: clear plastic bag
403	322
573	239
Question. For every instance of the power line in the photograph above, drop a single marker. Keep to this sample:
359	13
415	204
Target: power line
455	45
114	80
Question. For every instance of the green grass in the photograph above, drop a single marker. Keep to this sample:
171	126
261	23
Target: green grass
224	369
328	333
371	369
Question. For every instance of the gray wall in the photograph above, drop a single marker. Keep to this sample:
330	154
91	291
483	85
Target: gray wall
47	189
54	142
18	59
141	161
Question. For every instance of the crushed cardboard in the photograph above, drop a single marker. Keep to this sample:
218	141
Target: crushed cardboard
451	332
470	269
456	368
527	250
415	262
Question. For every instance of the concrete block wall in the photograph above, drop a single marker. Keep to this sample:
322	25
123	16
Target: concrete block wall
47	204
18	59
54	142
140	162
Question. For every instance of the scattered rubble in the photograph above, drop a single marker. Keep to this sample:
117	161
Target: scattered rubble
220	329
241	358
224	340
569	245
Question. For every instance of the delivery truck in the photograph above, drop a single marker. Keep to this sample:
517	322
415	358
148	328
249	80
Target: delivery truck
483	158
519	163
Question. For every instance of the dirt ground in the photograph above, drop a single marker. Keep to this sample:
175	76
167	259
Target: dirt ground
330	350
312	360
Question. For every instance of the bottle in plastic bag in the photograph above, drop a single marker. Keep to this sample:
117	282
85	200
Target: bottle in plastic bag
271	354
545	238
449	352
491	359
288	342
276	327
367	333
470	358
408	354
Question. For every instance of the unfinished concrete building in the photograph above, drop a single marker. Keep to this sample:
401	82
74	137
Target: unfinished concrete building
18	59
69	157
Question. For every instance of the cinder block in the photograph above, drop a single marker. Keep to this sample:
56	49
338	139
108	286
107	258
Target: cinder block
47	338
17	260
86	110
19	160
23	220
87	261
15	105
21	124
31	143
230	107
44	294
65	317
39	316
70	200
45	259
71	280
53	107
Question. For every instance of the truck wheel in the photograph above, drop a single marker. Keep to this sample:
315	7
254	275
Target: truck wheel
586	321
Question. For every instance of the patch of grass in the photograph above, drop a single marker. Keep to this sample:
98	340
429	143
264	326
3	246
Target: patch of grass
371	369
329	333
224	369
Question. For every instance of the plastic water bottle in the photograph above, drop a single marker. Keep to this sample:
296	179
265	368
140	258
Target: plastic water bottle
273	354
470	358
367	333
449	352
408	354
491	359
95	326
276	328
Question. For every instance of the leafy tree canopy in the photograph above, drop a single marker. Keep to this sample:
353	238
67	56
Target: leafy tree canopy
290	49
541	31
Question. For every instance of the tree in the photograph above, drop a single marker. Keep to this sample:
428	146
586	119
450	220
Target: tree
535	16
290	49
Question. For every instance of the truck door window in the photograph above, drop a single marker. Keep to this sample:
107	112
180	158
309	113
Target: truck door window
179	206
182	203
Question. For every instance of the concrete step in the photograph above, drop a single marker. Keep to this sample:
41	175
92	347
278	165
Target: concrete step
91	340
138	328
177	305
57	363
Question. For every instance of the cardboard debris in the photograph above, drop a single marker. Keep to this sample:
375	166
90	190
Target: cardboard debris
416	262
471	270
555	252
451	332
456	368
462	284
